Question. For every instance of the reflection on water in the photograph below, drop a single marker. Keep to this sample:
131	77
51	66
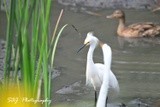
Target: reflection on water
138	42
136	62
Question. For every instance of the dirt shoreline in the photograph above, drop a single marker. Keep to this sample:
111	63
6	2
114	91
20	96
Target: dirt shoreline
128	4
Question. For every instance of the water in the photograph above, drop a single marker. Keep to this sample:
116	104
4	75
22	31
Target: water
135	62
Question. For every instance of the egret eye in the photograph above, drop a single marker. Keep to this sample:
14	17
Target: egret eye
87	43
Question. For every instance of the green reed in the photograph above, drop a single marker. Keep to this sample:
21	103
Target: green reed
29	51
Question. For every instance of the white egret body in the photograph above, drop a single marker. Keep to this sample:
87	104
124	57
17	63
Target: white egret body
100	75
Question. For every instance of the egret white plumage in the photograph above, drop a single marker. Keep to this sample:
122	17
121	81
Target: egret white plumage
100	75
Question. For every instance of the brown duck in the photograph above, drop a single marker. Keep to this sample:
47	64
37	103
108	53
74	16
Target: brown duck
143	29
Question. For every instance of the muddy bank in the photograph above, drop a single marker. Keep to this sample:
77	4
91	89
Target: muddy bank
136	4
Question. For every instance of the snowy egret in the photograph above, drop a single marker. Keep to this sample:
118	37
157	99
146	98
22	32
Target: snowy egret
100	75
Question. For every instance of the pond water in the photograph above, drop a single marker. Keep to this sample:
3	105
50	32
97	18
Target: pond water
135	62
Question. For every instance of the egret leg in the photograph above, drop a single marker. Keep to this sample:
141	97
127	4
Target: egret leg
95	97
106	101
122	105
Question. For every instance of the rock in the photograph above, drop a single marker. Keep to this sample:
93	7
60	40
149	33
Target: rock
70	89
2	56
55	73
138	103
3	3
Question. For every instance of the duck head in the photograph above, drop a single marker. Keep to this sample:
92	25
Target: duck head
118	14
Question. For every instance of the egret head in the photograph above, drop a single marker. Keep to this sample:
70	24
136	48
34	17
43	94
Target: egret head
90	40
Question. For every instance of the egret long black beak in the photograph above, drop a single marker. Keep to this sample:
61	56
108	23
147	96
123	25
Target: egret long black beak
82	47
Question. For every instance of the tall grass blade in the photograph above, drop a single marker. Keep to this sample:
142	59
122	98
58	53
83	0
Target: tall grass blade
9	41
28	25
55	45
55	29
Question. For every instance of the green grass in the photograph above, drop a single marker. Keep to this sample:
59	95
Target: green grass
29	48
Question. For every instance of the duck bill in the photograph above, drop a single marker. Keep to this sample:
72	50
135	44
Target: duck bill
110	17
82	47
